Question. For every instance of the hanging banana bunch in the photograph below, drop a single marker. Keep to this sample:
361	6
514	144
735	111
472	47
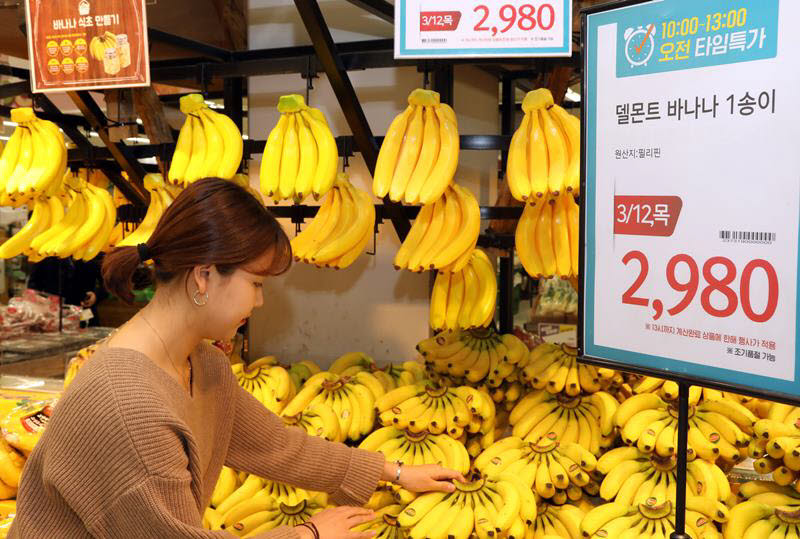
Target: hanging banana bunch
34	161
161	197
545	154
419	155
209	144
443	235
547	237
467	298
340	231
300	156
82	232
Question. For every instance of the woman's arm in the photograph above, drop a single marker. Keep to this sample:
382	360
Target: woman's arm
261	444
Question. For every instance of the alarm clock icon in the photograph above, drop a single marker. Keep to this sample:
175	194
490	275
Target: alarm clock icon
639	45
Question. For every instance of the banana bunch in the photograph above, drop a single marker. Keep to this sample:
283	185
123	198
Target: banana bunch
774	435
555	368
351	363
46	212
554	471
394	375
383	497
769	519
301	371
341	229
438	410
419	155
547	237
486	507
269	384
300	156
545	151
351	398
717	429
99	44
23	425
475	354
633	477
465	299
227	483
557	522
318	419
161	197
418	448
34	160
587	420
264	512
11	464
651	520
384	526
209	144
443	235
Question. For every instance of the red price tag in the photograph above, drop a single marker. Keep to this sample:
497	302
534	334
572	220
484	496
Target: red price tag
718	297
646	215
439	21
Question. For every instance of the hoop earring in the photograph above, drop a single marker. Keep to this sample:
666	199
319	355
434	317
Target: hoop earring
196	299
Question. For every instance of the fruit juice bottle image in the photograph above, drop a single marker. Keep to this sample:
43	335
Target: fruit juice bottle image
124	48
111	61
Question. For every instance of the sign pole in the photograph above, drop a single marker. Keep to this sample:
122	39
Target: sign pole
683	448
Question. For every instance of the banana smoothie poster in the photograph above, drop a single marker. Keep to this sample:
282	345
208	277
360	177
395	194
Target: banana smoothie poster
87	44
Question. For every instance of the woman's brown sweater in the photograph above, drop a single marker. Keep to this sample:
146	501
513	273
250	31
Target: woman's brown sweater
128	453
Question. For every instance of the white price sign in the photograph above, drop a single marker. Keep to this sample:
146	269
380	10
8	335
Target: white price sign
482	28
693	190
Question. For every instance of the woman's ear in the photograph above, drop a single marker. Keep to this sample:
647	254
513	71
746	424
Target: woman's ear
201	276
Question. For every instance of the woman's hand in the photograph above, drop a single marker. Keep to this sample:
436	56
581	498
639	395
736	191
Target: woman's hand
428	477
337	523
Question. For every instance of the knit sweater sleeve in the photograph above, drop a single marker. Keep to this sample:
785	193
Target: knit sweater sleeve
161	507
261	444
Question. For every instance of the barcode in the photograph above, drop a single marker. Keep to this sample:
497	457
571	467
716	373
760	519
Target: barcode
746	237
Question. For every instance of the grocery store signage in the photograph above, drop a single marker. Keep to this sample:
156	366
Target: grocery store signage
482	28
693	190
87	44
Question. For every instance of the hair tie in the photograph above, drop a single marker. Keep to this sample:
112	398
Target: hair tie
144	252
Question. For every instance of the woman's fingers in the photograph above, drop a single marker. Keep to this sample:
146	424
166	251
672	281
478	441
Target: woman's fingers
361	535
359	514
446	473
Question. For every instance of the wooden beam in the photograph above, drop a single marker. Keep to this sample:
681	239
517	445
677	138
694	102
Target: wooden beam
150	109
233	16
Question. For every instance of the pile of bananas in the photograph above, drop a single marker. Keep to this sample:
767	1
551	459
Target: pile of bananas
351	398
301	371
340	231
547	237
34	161
438	410
300	156
99	44
443	235
485	507
555	367
162	196
545	153
476	355
264	512
651	520
717	428
776	447
554	471
770	515
419	155
632	477
418	448
585	419
385	525
391	376
318	419
465	299
557	522
82	232
270	384
209	144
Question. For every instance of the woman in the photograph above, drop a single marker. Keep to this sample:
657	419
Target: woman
136	443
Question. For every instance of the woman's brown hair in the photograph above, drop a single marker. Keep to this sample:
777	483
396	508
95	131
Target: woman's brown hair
212	222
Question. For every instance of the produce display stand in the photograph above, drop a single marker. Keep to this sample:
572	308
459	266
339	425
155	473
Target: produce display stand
666	80
45	354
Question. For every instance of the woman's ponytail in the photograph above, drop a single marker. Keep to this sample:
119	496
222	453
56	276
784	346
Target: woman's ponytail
119	267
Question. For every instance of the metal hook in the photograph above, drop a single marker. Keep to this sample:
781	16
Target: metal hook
374	239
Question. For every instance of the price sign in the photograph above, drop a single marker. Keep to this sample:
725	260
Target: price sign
475	28
692	198
86	45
